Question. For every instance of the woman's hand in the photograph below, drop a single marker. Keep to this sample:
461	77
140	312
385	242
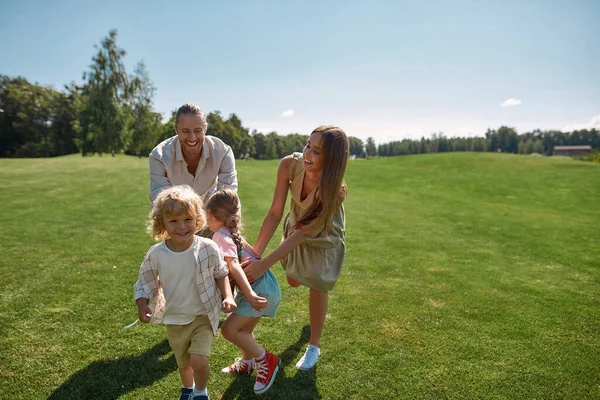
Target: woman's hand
254	269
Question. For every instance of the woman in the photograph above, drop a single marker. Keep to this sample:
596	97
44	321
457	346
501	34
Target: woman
313	249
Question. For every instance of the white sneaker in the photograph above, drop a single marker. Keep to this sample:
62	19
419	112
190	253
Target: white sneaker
309	359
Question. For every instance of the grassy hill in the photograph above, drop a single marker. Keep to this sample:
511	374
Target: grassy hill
468	275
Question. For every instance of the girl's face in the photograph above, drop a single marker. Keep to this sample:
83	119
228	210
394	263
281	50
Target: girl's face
213	223
313	156
181	229
190	133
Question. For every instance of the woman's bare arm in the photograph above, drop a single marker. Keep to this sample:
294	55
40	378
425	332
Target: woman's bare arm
275	213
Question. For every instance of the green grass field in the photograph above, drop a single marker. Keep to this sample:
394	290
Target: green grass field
467	276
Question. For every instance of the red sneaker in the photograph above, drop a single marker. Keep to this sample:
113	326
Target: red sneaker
266	369
239	367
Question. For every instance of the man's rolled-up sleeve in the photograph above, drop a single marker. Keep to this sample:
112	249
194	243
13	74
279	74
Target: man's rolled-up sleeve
158	177
227	173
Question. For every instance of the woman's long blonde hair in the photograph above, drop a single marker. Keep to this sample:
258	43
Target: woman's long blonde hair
332	188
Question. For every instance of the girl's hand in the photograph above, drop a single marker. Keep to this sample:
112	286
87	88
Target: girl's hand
144	313
228	305
254	270
257	302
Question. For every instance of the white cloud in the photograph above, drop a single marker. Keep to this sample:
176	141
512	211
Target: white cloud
287	113
594	123
511	102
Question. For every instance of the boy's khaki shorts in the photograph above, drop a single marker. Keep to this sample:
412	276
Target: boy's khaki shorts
193	338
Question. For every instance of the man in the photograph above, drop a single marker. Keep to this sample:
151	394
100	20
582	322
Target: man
203	162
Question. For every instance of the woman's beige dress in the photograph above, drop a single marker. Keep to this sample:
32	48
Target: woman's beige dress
317	262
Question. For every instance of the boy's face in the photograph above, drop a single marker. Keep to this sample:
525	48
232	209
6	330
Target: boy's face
180	229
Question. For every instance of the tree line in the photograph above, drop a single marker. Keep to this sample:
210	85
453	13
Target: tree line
504	139
112	111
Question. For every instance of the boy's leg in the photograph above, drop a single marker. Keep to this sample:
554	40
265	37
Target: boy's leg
199	350
201	370
187	376
179	337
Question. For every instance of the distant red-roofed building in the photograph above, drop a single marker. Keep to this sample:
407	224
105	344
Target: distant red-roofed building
571	151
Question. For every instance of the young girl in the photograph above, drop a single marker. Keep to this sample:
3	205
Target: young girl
224	219
313	248
178	284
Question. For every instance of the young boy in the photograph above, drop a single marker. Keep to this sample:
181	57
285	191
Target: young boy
178	284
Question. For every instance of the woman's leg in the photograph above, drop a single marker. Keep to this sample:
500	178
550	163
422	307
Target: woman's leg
317	308
292	282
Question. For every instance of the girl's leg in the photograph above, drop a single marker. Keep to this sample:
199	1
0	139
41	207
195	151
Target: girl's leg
249	328
317	308
238	330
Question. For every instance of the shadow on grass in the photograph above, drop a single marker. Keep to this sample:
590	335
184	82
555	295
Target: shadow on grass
109	379
303	385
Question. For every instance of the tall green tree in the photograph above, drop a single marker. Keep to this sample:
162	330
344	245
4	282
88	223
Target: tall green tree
26	118
370	148
65	119
294	142
260	145
356	147
146	123
108	91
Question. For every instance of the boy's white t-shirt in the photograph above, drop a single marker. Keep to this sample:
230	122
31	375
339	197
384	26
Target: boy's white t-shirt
177	274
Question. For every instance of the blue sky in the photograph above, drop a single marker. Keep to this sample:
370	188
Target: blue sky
387	69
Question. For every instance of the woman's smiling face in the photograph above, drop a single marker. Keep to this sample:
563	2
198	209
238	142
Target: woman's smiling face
313	155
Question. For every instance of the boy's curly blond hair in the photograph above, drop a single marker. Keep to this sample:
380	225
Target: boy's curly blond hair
175	201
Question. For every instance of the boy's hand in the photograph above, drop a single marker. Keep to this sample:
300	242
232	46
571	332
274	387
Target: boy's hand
228	305
144	313
257	302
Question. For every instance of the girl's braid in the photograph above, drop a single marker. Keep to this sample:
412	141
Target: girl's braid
234	225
